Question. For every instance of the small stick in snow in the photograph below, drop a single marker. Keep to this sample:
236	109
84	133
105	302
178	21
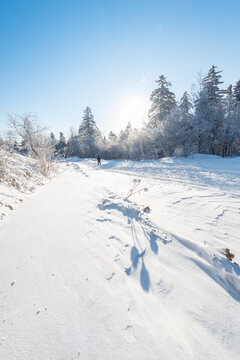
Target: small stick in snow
134	190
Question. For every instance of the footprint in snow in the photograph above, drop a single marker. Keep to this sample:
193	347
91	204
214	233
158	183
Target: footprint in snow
111	276
117	257
103	220
163	287
130	334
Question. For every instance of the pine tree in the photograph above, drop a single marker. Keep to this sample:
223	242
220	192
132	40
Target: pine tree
237	92
162	105
229	101
61	144
211	84
112	138
209	114
89	135
62	139
185	107
163	102
53	139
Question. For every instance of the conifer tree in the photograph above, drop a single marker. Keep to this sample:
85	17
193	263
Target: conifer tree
163	102
89	134
61	144
185	107
237	92
211	84
209	114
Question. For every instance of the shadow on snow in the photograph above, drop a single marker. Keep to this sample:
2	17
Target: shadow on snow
136	256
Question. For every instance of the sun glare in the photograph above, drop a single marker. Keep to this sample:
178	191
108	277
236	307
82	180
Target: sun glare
133	110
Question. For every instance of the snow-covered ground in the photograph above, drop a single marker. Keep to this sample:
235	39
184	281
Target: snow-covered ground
21	177
86	275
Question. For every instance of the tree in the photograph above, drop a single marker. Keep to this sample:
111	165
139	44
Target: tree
185	107
163	102
36	142
229	107
89	135
209	114
61	144
237	92
113	148
123	141
162	105
229	101
211	84
53	139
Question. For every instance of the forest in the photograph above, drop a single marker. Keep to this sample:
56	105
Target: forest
207	122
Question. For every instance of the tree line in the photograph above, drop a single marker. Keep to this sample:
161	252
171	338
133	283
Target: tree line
207	122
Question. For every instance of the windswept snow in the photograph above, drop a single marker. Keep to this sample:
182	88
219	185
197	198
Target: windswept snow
86	275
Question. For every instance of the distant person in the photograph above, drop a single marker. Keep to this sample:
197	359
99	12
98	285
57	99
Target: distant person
98	160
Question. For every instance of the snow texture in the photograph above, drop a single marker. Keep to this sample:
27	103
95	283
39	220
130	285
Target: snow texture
86	275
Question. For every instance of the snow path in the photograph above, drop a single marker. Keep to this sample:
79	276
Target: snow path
85	275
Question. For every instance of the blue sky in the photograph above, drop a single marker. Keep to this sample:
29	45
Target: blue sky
57	57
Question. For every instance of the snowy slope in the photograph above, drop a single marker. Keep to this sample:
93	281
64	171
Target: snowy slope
86	275
20	178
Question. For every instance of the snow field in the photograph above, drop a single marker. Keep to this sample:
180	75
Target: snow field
86	275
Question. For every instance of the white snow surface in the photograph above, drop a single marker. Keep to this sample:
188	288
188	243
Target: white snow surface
86	275
20	178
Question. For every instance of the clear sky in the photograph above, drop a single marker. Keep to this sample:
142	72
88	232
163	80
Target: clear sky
59	56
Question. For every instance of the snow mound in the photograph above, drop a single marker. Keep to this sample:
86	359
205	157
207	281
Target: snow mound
19	176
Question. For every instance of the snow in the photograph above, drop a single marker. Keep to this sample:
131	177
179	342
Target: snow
20	178
86	275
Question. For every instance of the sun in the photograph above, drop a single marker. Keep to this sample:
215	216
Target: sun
133	109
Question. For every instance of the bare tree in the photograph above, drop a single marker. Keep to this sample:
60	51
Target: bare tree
35	139
5	153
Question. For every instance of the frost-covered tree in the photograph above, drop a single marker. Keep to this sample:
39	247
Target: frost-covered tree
162	102
185	107
89	135
37	143
112	137
53	139
136	144
61	144
123	141
178	130
237	92
211	84
209	114
211	126
226	131
113	147
229	101
235	131
73	147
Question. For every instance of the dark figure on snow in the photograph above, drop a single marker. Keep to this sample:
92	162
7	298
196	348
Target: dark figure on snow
98	160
